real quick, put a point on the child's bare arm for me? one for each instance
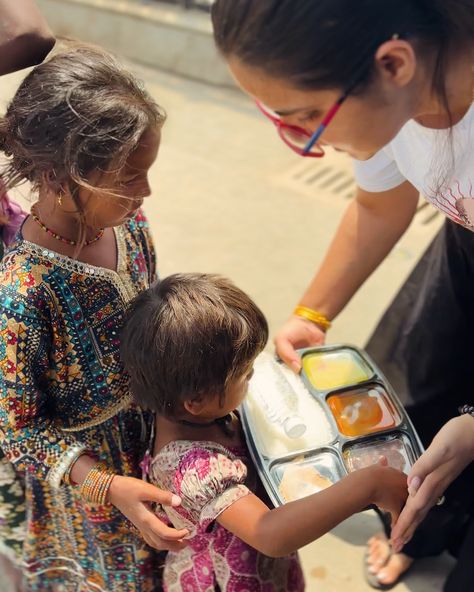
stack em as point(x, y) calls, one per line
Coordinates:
point(281, 531)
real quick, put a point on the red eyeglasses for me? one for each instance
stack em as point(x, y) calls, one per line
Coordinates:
point(301, 141)
point(297, 138)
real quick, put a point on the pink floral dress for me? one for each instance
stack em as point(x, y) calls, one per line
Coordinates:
point(209, 478)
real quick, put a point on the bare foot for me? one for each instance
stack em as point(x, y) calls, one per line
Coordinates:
point(386, 566)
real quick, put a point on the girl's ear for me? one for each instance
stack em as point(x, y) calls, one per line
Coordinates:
point(396, 62)
point(195, 406)
point(49, 182)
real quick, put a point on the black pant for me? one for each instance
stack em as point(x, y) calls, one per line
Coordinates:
point(424, 345)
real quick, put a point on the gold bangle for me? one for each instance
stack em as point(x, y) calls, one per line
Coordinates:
point(314, 316)
point(95, 486)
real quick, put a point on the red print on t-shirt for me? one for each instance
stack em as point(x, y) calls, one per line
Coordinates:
point(456, 202)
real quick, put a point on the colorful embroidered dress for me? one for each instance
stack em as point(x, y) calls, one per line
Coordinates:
point(63, 391)
point(209, 478)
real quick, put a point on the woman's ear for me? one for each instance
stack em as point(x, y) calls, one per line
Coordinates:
point(396, 62)
point(195, 406)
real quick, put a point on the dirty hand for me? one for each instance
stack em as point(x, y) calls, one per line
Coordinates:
point(390, 488)
point(133, 498)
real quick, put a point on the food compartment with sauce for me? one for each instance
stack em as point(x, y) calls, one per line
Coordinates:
point(364, 411)
point(329, 370)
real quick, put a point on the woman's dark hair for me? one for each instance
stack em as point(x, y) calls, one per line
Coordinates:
point(316, 44)
point(189, 335)
point(78, 112)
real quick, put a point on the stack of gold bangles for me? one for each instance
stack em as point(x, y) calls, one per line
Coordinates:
point(314, 316)
point(96, 485)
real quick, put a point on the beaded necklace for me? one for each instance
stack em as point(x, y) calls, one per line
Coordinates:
point(60, 238)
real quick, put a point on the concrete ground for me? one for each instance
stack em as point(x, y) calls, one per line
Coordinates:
point(229, 197)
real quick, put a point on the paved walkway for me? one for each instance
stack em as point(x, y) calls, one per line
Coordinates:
point(229, 197)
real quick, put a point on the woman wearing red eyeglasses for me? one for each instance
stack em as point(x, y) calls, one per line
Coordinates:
point(391, 83)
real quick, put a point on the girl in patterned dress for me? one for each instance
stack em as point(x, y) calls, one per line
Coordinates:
point(84, 134)
point(189, 344)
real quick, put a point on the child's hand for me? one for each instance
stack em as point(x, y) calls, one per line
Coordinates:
point(296, 333)
point(132, 497)
point(390, 489)
point(450, 452)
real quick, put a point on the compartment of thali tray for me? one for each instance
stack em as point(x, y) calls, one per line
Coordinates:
point(306, 474)
point(329, 370)
point(396, 448)
point(283, 415)
point(363, 411)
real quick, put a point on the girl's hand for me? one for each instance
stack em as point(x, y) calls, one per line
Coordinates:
point(296, 333)
point(390, 488)
point(450, 452)
point(132, 497)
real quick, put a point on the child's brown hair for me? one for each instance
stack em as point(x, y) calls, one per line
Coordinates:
point(189, 335)
point(77, 112)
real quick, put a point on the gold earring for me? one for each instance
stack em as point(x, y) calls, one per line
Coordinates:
point(60, 199)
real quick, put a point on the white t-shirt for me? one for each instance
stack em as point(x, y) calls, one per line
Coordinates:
point(438, 163)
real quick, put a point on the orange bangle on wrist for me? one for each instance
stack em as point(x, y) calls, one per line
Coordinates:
point(314, 316)
point(96, 485)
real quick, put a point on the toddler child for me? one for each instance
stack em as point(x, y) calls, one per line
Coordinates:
point(189, 344)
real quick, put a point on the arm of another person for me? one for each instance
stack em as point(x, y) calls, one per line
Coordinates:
point(132, 497)
point(370, 228)
point(449, 454)
point(281, 531)
point(25, 38)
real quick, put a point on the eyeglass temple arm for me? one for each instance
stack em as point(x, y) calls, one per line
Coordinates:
point(332, 112)
point(324, 123)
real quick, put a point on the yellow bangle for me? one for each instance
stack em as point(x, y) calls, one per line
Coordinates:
point(96, 485)
point(314, 316)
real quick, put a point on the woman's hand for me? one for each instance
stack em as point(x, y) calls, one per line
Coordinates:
point(450, 452)
point(296, 333)
point(132, 497)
